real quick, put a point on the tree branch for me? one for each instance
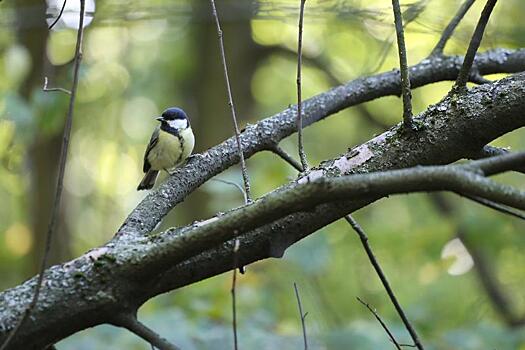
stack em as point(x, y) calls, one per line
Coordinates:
point(286, 157)
point(60, 181)
point(244, 170)
point(451, 27)
point(232, 291)
point(379, 271)
point(464, 73)
point(300, 145)
point(130, 322)
point(390, 335)
point(403, 66)
point(498, 207)
point(126, 272)
point(491, 151)
point(302, 314)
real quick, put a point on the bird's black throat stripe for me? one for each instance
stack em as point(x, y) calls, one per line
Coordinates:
point(181, 142)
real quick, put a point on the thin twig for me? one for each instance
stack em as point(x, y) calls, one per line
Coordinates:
point(59, 15)
point(364, 240)
point(449, 30)
point(403, 66)
point(490, 151)
point(244, 170)
point(464, 72)
point(234, 300)
point(498, 207)
point(286, 157)
point(303, 315)
point(299, 120)
point(374, 312)
point(60, 180)
point(58, 89)
point(130, 322)
point(477, 78)
point(233, 183)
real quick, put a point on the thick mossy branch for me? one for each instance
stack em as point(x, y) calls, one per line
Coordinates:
point(268, 132)
point(134, 267)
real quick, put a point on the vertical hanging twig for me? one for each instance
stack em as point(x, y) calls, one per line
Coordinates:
point(244, 170)
point(475, 41)
point(234, 300)
point(364, 241)
point(449, 30)
point(60, 181)
point(403, 67)
point(299, 120)
point(303, 315)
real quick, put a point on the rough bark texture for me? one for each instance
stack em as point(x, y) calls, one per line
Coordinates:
point(135, 266)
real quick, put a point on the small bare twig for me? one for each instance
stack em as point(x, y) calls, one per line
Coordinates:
point(299, 120)
point(364, 241)
point(233, 183)
point(303, 315)
point(403, 67)
point(464, 72)
point(490, 151)
point(498, 207)
point(244, 170)
point(449, 30)
point(130, 322)
point(60, 181)
point(374, 312)
point(234, 300)
point(59, 15)
point(58, 89)
point(410, 14)
point(286, 157)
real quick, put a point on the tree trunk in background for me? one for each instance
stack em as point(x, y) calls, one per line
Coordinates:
point(43, 154)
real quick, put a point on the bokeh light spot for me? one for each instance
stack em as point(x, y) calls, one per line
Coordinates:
point(18, 239)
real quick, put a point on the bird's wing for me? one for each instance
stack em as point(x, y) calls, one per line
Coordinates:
point(152, 142)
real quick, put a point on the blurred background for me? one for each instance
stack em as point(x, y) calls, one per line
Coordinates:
point(143, 56)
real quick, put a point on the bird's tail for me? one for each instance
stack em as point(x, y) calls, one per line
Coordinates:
point(149, 180)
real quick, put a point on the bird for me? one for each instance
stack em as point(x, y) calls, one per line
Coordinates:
point(170, 145)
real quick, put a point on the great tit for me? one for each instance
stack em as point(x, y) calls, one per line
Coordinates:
point(170, 144)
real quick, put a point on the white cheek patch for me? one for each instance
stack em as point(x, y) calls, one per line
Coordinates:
point(178, 123)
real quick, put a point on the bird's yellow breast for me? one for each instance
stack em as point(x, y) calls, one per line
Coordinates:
point(170, 151)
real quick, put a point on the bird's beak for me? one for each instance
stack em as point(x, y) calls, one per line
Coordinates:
point(159, 119)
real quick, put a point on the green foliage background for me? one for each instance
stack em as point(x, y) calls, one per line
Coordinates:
point(143, 56)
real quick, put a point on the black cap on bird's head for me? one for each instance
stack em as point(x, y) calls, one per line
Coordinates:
point(173, 113)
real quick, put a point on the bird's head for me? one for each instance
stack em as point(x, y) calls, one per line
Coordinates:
point(175, 118)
